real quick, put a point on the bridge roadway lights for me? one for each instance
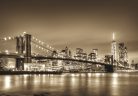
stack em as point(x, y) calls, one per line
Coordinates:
point(109, 68)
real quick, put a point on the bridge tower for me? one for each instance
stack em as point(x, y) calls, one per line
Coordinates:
point(20, 50)
point(27, 51)
point(23, 48)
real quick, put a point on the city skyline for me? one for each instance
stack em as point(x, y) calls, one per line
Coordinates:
point(74, 24)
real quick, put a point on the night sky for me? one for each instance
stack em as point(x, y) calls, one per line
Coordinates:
point(73, 23)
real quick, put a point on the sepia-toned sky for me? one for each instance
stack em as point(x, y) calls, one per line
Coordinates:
point(74, 23)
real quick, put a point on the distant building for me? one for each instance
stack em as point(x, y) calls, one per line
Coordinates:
point(136, 66)
point(80, 54)
point(66, 53)
point(92, 56)
point(96, 52)
point(54, 54)
point(70, 53)
point(3, 63)
point(84, 56)
point(79, 50)
point(133, 64)
point(7, 63)
point(62, 54)
point(123, 54)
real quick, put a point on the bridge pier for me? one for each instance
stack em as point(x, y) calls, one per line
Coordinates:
point(109, 68)
point(20, 63)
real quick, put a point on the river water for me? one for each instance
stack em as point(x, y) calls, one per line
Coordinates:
point(70, 84)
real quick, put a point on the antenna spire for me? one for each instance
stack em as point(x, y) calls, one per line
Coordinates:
point(113, 36)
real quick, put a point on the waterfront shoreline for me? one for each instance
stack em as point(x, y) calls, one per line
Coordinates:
point(28, 72)
point(51, 72)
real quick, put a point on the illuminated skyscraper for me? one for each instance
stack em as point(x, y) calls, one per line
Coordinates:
point(96, 52)
point(123, 54)
point(114, 47)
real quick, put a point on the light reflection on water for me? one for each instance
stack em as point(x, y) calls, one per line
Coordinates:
point(72, 84)
point(7, 83)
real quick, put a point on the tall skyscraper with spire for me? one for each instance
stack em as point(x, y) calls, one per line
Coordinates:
point(114, 47)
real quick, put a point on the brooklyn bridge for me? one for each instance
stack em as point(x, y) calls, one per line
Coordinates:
point(28, 60)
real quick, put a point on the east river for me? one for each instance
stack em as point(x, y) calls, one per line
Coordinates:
point(70, 84)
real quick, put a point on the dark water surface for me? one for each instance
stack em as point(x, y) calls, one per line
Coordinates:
point(70, 84)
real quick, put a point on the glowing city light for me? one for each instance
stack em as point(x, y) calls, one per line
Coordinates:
point(7, 51)
point(33, 37)
point(42, 43)
point(9, 38)
point(24, 32)
point(5, 38)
